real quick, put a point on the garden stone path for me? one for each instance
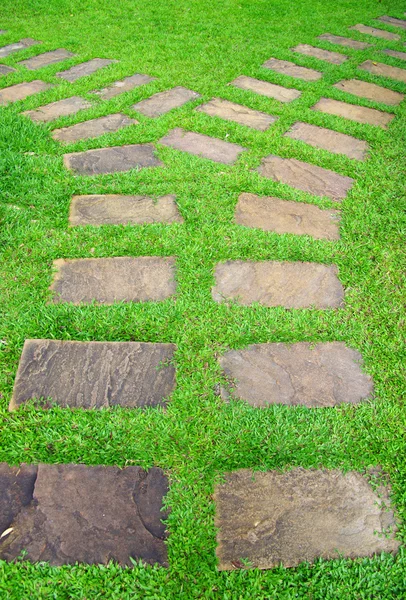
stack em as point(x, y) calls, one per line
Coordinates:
point(264, 88)
point(371, 91)
point(124, 85)
point(46, 59)
point(343, 41)
point(396, 54)
point(327, 139)
point(392, 21)
point(334, 58)
point(379, 33)
point(17, 46)
point(93, 128)
point(224, 109)
point(361, 114)
point(162, 102)
point(288, 68)
point(112, 160)
point(22, 91)
point(61, 108)
point(84, 69)
point(5, 70)
point(203, 146)
point(384, 70)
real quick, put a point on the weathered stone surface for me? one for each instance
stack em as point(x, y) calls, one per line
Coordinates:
point(16, 489)
point(330, 140)
point(362, 114)
point(5, 70)
point(163, 102)
point(343, 41)
point(396, 54)
point(112, 160)
point(282, 216)
point(125, 85)
point(46, 59)
point(288, 68)
point(379, 33)
point(304, 176)
point(392, 21)
point(332, 57)
point(16, 46)
point(114, 209)
point(371, 91)
point(264, 88)
point(84, 69)
point(270, 518)
point(384, 70)
point(94, 374)
point(202, 145)
point(326, 374)
point(93, 128)
point(109, 280)
point(92, 515)
point(61, 108)
point(288, 284)
point(22, 91)
point(224, 109)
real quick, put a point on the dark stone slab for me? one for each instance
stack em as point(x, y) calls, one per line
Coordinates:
point(163, 102)
point(343, 41)
point(327, 139)
point(264, 88)
point(16, 489)
point(325, 374)
point(282, 216)
point(371, 91)
point(271, 283)
point(288, 68)
point(202, 145)
point(392, 21)
point(224, 109)
point(94, 374)
point(304, 176)
point(46, 59)
point(384, 70)
point(5, 70)
point(269, 518)
point(17, 46)
point(84, 69)
point(396, 54)
point(92, 515)
point(112, 160)
point(361, 114)
point(334, 58)
point(22, 91)
point(61, 108)
point(125, 85)
point(379, 33)
point(93, 128)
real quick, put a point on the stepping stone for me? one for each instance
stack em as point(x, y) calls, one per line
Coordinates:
point(110, 280)
point(113, 209)
point(264, 88)
point(61, 108)
point(93, 128)
point(224, 109)
point(361, 114)
point(392, 21)
point(379, 33)
point(288, 68)
point(46, 59)
point(112, 160)
point(329, 140)
point(273, 518)
point(343, 41)
point(22, 91)
point(288, 284)
point(396, 54)
point(326, 374)
point(202, 145)
point(306, 177)
point(332, 57)
point(94, 374)
point(16, 488)
point(384, 70)
point(281, 216)
point(163, 102)
point(2, 31)
point(125, 85)
point(84, 69)
point(16, 46)
point(371, 91)
point(91, 515)
point(5, 70)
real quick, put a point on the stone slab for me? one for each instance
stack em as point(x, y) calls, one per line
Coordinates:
point(379, 33)
point(306, 177)
point(124, 85)
point(202, 145)
point(371, 91)
point(361, 114)
point(264, 88)
point(46, 59)
point(22, 91)
point(396, 54)
point(289, 68)
point(85, 69)
point(16, 490)
point(5, 70)
point(384, 70)
point(17, 46)
point(344, 41)
point(2, 31)
point(334, 58)
point(329, 140)
point(224, 109)
point(161, 103)
point(272, 518)
point(392, 21)
point(93, 128)
point(321, 375)
point(61, 108)
point(271, 283)
point(114, 209)
point(92, 515)
point(112, 160)
point(282, 216)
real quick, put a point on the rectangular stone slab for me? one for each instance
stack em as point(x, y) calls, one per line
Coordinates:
point(392, 21)
point(46, 59)
point(163, 102)
point(264, 88)
point(224, 109)
point(110, 280)
point(272, 518)
point(16, 490)
point(125, 85)
point(327, 139)
point(5, 70)
point(22, 91)
point(384, 70)
point(16, 46)
point(396, 54)
point(371, 91)
point(113, 209)
point(379, 33)
point(93, 128)
point(271, 283)
point(289, 68)
point(112, 160)
point(84, 69)
point(334, 58)
point(61, 108)
point(306, 177)
point(325, 374)
point(202, 145)
point(344, 41)
point(361, 114)
point(282, 216)
point(94, 374)
point(92, 515)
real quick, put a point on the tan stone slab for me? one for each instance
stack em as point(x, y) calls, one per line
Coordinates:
point(22, 91)
point(93, 128)
point(392, 21)
point(384, 70)
point(94, 374)
point(85, 69)
point(282, 216)
point(61, 108)
point(5, 70)
point(361, 114)
point(272, 518)
point(113, 209)
point(271, 283)
point(327, 139)
point(289, 68)
point(379, 33)
point(161, 103)
point(224, 109)
point(112, 160)
point(125, 85)
point(344, 41)
point(321, 375)
point(46, 59)
point(396, 54)
point(202, 145)
point(371, 91)
point(17, 46)
point(334, 58)
point(264, 88)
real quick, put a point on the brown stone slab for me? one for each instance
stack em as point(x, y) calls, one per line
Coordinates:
point(202, 145)
point(334, 58)
point(264, 88)
point(61, 108)
point(22, 91)
point(5, 70)
point(272, 518)
point(113, 209)
point(304, 176)
point(271, 283)
point(125, 85)
point(392, 21)
point(16, 490)
point(282, 216)
point(379, 33)
point(84, 69)
point(224, 109)
point(46, 59)
point(17, 46)
point(163, 102)
point(92, 515)
point(384, 70)
point(343, 41)
point(325, 374)
point(112, 160)
point(396, 54)
point(361, 114)
point(288, 68)
point(327, 139)
point(371, 91)
point(93, 128)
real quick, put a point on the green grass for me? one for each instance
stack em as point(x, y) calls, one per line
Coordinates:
point(203, 46)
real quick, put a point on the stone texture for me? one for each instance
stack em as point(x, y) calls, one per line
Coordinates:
point(5, 70)
point(16, 46)
point(114, 209)
point(396, 54)
point(371, 91)
point(92, 515)
point(94, 374)
point(46, 59)
point(343, 41)
point(61, 108)
point(327, 139)
point(163, 102)
point(84, 69)
point(110, 280)
point(379, 33)
point(264, 88)
point(334, 58)
point(202, 145)
point(361, 114)
point(16, 489)
point(112, 160)
point(22, 91)
point(224, 109)
point(125, 85)
point(288, 284)
point(384, 70)
point(93, 128)
point(271, 518)
point(392, 21)
point(288, 68)
point(306, 177)
point(282, 216)
point(326, 374)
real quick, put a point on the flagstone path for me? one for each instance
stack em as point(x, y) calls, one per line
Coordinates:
point(93, 128)
point(264, 88)
point(362, 114)
point(288, 68)
point(334, 58)
point(163, 102)
point(85, 69)
point(46, 59)
point(22, 91)
point(17, 46)
point(112, 160)
point(327, 139)
point(61, 108)
point(379, 33)
point(343, 41)
point(224, 109)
